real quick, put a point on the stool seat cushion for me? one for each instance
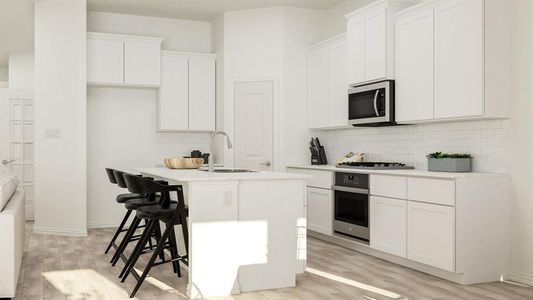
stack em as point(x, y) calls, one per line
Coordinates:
point(122, 198)
point(157, 212)
point(136, 203)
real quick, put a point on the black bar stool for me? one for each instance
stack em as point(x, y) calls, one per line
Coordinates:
point(169, 212)
point(121, 198)
point(130, 205)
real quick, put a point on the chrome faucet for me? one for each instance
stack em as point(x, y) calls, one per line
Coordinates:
point(228, 141)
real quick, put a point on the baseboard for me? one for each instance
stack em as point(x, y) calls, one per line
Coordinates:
point(94, 225)
point(60, 231)
point(519, 277)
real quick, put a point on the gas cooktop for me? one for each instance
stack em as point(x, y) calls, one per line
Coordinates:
point(374, 165)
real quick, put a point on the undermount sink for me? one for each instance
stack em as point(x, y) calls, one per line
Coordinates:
point(230, 171)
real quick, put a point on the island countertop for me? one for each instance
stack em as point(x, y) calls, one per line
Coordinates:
point(188, 175)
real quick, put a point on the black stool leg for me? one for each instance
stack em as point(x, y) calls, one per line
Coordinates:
point(138, 248)
point(174, 251)
point(126, 240)
point(119, 230)
point(158, 238)
point(153, 258)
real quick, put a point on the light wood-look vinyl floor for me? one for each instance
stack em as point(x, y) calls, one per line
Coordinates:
point(57, 267)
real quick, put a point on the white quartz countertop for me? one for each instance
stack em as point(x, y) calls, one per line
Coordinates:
point(188, 175)
point(412, 172)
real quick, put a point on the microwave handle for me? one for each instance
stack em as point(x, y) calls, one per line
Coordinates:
point(376, 103)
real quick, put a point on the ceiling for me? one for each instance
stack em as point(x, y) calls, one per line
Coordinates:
point(203, 10)
point(16, 27)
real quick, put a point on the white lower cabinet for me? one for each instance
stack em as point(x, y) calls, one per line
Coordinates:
point(388, 219)
point(431, 234)
point(320, 210)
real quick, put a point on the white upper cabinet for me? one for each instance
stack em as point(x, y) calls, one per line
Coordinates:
point(414, 67)
point(453, 60)
point(328, 85)
point(115, 59)
point(376, 44)
point(318, 87)
point(105, 63)
point(174, 92)
point(459, 59)
point(202, 93)
point(187, 93)
point(142, 62)
point(371, 41)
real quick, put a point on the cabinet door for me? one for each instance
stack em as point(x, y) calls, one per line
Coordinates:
point(202, 93)
point(414, 67)
point(356, 50)
point(459, 59)
point(376, 44)
point(174, 93)
point(388, 231)
point(431, 235)
point(318, 88)
point(105, 61)
point(338, 84)
point(320, 210)
point(142, 63)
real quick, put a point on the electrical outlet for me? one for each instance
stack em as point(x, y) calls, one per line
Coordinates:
point(228, 198)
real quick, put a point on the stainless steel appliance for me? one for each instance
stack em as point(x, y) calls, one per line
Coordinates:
point(351, 216)
point(371, 104)
point(374, 165)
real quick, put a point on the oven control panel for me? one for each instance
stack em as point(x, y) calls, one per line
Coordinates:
point(351, 180)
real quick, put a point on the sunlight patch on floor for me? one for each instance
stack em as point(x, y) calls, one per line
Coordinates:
point(354, 283)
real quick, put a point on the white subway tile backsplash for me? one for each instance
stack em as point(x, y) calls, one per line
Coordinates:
point(487, 140)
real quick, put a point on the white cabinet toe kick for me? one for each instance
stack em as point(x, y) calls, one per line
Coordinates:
point(454, 227)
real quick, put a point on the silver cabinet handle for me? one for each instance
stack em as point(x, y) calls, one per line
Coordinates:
point(6, 162)
point(266, 163)
point(376, 103)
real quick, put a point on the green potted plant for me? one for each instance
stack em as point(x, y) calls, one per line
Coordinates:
point(449, 162)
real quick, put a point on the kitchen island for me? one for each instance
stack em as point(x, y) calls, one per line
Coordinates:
point(247, 230)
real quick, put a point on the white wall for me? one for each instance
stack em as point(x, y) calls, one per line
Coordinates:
point(4, 74)
point(21, 70)
point(522, 142)
point(179, 35)
point(271, 43)
point(60, 104)
point(217, 43)
point(121, 119)
point(334, 22)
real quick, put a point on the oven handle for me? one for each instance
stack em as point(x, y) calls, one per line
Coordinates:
point(349, 189)
point(376, 103)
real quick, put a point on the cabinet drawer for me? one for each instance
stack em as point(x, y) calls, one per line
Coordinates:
point(388, 186)
point(321, 179)
point(438, 191)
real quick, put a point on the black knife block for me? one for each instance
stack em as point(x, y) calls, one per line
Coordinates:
point(318, 155)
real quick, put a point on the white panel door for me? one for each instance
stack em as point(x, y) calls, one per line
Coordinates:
point(202, 103)
point(356, 50)
point(459, 59)
point(388, 221)
point(105, 61)
point(16, 140)
point(142, 63)
point(338, 84)
point(253, 125)
point(174, 93)
point(431, 235)
point(414, 67)
point(318, 88)
point(320, 210)
point(376, 44)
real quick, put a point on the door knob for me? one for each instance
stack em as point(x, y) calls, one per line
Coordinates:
point(6, 162)
point(267, 163)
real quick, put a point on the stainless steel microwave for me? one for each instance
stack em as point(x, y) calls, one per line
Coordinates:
point(371, 104)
